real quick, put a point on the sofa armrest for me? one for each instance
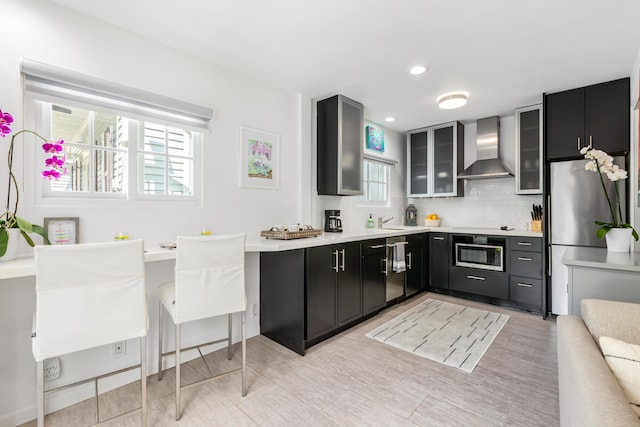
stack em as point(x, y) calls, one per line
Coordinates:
point(620, 320)
point(588, 392)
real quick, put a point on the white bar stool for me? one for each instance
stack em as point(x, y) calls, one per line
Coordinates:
point(89, 295)
point(209, 281)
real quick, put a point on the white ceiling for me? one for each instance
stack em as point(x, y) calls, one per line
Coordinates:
point(505, 53)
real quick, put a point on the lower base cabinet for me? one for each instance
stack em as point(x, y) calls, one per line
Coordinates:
point(479, 282)
point(374, 274)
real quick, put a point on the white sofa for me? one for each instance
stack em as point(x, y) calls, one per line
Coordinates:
point(589, 393)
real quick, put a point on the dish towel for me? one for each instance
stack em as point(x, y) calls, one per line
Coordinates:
point(398, 264)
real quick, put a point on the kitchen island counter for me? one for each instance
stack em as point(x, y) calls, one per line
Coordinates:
point(600, 274)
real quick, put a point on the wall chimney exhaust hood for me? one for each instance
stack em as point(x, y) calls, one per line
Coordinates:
point(488, 163)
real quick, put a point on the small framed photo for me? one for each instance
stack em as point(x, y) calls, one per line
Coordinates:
point(62, 231)
point(259, 159)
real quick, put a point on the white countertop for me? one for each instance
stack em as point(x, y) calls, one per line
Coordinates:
point(25, 266)
point(602, 259)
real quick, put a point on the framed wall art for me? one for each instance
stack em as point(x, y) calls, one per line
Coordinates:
point(374, 139)
point(259, 159)
point(62, 231)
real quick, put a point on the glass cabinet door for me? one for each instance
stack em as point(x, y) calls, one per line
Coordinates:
point(418, 176)
point(444, 176)
point(351, 141)
point(529, 150)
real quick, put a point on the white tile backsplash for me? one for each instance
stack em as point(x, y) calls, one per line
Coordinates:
point(486, 203)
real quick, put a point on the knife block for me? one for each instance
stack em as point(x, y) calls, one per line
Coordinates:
point(536, 225)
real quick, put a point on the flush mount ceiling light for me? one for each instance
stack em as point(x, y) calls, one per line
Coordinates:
point(390, 119)
point(418, 69)
point(451, 100)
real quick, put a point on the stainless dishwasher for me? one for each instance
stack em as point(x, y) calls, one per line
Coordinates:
point(395, 281)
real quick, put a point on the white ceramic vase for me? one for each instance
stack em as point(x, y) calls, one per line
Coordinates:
point(618, 239)
point(12, 245)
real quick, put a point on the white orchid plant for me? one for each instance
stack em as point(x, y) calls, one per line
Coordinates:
point(602, 163)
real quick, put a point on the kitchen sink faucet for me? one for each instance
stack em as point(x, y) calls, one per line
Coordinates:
point(381, 221)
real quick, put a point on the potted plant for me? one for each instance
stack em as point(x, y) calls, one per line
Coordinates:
point(602, 163)
point(10, 223)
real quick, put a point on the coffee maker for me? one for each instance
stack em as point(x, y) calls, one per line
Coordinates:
point(332, 221)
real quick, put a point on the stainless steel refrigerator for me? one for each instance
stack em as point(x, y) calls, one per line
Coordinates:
point(576, 201)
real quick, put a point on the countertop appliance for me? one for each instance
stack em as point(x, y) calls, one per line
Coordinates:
point(574, 201)
point(395, 280)
point(332, 221)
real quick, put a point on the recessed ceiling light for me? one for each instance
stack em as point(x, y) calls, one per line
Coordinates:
point(451, 100)
point(390, 119)
point(418, 69)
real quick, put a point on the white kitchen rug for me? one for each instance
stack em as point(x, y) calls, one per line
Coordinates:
point(451, 334)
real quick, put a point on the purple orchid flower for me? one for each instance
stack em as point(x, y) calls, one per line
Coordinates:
point(53, 147)
point(56, 162)
point(51, 174)
point(5, 120)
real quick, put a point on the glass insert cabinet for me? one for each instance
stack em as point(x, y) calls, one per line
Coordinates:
point(434, 158)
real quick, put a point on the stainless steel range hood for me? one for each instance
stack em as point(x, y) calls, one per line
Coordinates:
point(488, 163)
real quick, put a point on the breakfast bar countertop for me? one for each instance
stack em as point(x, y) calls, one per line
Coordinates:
point(25, 266)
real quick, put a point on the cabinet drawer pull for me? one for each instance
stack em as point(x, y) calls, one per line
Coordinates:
point(590, 142)
point(524, 258)
point(376, 246)
point(384, 269)
point(524, 285)
point(579, 144)
point(335, 254)
point(525, 244)
point(476, 278)
point(342, 265)
point(438, 238)
point(391, 245)
point(409, 263)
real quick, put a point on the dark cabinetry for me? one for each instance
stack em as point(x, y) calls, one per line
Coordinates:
point(435, 156)
point(414, 253)
point(529, 150)
point(438, 260)
point(479, 282)
point(340, 130)
point(525, 280)
point(374, 273)
point(333, 286)
point(596, 116)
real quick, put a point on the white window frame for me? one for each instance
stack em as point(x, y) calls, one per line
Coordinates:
point(40, 112)
point(376, 203)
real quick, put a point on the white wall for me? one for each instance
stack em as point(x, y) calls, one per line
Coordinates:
point(47, 33)
point(486, 202)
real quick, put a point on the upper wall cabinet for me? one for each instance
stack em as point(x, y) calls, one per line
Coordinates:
point(340, 140)
point(529, 150)
point(595, 116)
point(434, 157)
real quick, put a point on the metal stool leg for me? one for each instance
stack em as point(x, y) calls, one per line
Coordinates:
point(178, 412)
point(143, 379)
point(244, 354)
point(40, 381)
point(160, 330)
point(229, 355)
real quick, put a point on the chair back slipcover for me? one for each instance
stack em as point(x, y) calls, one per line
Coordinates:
point(88, 295)
point(209, 276)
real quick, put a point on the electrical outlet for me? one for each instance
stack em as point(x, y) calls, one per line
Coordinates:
point(254, 310)
point(51, 369)
point(119, 348)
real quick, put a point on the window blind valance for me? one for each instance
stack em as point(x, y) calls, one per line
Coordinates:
point(44, 79)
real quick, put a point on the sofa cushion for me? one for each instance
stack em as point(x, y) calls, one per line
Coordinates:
point(624, 361)
point(613, 319)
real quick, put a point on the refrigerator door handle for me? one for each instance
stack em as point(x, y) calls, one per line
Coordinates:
point(549, 257)
point(549, 218)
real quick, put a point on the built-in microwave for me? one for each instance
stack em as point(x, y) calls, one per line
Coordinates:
point(480, 255)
